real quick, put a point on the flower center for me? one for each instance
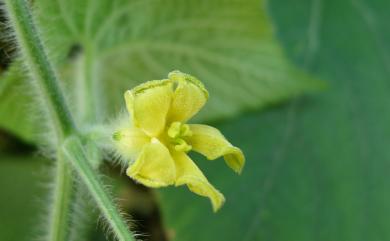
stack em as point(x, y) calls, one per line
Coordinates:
point(177, 132)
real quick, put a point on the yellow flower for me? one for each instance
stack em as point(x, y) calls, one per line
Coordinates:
point(157, 140)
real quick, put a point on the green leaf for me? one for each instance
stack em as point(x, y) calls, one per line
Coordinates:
point(16, 106)
point(228, 44)
point(21, 199)
point(317, 169)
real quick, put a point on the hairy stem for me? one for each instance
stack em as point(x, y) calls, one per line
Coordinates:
point(62, 195)
point(84, 216)
point(40, 67)
point(60, 118)
point(54, 104)
point(73, 150)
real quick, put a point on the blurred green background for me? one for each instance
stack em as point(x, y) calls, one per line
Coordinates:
point(300, 86)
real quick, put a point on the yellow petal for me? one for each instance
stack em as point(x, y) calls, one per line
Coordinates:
point(154, 166)
point(148, 104)
point(130, 141)
point(188, 173)
point(189, 97)
point(211, 143)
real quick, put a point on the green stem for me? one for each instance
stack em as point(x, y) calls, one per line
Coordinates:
point(83, 219)
point(59, 219)
point(58, 113)
point(73, 150)
point(40, 67)
point(59, 116)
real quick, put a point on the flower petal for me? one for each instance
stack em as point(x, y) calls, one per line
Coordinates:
point(154, 166)
point(188, 173)
point(149, 103)
point(130, 141)
point(189, 97)
point(211, 143)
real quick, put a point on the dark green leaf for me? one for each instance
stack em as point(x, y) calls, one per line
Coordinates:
point(317, 169)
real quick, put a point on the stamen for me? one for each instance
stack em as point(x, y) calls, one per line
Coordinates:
point(174, 130)
point(185, 131)
point(177, 132)
point(182, 146)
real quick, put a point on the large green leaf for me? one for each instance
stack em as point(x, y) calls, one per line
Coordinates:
point(317, 169)
point(228, 44)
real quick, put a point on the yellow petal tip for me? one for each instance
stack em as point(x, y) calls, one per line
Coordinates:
point(203, 188)
point(235, 159)
point(149, 85)
point(132, 171)
point(178, 76)
point(218, 202)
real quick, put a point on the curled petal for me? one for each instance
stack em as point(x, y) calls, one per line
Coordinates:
point(148, 104)
point(188, 173)
point(129, 142)
point(154, 166)
point(211, 143)
point(188, 98)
